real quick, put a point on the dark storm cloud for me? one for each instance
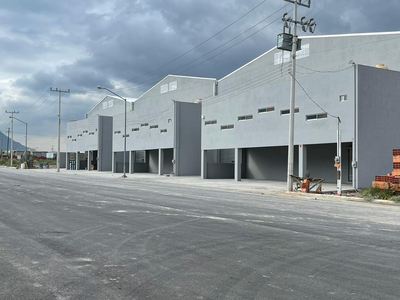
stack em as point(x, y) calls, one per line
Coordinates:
point(82, 44)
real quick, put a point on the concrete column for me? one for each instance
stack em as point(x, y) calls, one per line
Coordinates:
point(175, 162)
point(77, 159)
point(67, 160)
point(132, 160)
point(204, 164)
point(113, 168)
point(302, 160)
point(89, 160)
point(98, 161)
point(238, 164)
point(160, 162)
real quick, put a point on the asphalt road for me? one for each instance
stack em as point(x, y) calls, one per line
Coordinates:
point(66, 236)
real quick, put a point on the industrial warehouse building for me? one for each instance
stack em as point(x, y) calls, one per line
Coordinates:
point(89, 141)
point(237, 127)
point(164, 128)
point(245, 123)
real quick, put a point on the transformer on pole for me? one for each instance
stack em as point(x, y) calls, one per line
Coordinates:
point(290, 42)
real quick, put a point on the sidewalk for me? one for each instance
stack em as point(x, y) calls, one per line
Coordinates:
point(246, 185)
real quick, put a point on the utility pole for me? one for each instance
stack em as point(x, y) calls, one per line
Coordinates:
point(59, 123)
point(26, 136)
point(1, 148)
point(290, 42)
point(12, 132)
point(8, 140)
point(338, 160)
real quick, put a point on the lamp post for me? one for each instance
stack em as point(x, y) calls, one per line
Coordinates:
point(103, 88)
point(26, 136)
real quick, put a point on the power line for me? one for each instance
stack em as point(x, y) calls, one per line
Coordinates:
point(309, 97)
point(46, 91)
point(327, 71)
point(204, 55)
point(36, 107)
point(202, 43)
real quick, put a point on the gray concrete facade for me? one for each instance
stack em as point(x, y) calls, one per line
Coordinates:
point(166, 125)
point(92, 136)
point(248, 111)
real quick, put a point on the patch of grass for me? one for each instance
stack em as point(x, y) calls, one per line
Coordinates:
point(4, 161)
point(377, 193)
point(395, 199)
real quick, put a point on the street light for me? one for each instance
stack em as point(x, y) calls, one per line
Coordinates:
point(103, 88)
point(26, 136)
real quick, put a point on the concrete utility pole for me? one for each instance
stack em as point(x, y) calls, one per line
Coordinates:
point(59, 123)
point(12, 132)
point(26, 136)
point(338, 160)
point(8, 140)
point(294, 48)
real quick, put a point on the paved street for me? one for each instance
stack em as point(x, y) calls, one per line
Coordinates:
point(69, 236)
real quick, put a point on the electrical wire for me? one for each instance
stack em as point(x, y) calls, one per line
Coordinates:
point(327, 71)
point(52, 103)
point(46, 91)
point(199, 45)
point(36, 107)
point(204, 55)
point(321, 10)
point(309, 97)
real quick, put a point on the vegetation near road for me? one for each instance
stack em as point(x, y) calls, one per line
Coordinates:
point(4, 161)
point(377, 193)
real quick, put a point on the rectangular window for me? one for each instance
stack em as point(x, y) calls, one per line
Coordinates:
point(286, 112)
point(212, 122)
point(342, 98)
point(117, 132)
point(163, 131)
point(316, 117)
point(245, 118)
point(173, 86)
point(126, 135)
point(135, 129)
point(266, 110)
point(227, 127)
point(86, 131)
point(169, 120)
point(74, 140)
point(153, 126)
point(144, 124)
point(91, 133)
point(69, 137)
point(80, 135)
point(164, 88)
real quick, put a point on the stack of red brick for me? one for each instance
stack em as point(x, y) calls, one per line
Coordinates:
point(391, 180)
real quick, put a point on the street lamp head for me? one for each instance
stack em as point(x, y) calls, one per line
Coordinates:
point(100, 87)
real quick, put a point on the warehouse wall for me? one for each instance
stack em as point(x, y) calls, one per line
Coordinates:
point(379, 111)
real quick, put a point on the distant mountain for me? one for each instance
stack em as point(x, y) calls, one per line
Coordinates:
point(3, 143)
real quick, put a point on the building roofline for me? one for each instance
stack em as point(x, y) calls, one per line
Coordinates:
point(314, 37)
point(349, 34)
point(179, 76)
point(250, 62)
point(113, 97)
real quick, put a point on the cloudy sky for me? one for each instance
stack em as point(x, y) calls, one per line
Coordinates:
point(129, 45)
